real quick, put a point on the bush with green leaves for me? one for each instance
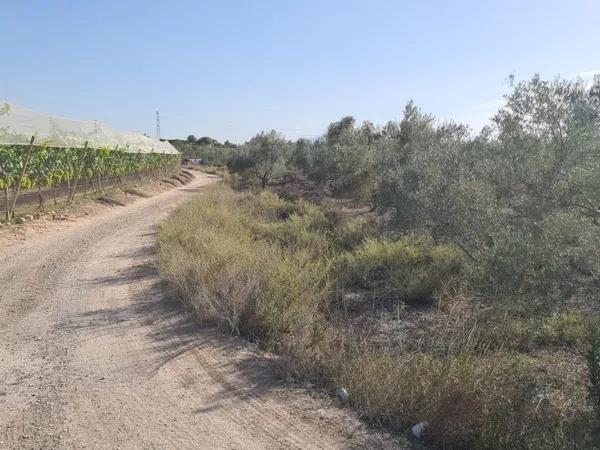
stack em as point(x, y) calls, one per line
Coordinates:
point(407, 269)
point(521, 198)
point(261, 158)
point(593, 361)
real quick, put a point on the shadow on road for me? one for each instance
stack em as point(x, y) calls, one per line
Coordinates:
point(170, 332)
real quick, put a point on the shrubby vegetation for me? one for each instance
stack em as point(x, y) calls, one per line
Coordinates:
point(226, 274)
point(209, 150)
point(407, 269)
point(463, 293)
point(521, 198)
point(273, 271)
point(261, 158)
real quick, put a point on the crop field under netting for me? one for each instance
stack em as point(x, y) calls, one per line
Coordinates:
point(46, 153)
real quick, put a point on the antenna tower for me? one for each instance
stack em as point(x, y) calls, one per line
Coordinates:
point(157, 124)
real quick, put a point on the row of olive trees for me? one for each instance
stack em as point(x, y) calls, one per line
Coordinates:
point(521, 198)
point(211, 151)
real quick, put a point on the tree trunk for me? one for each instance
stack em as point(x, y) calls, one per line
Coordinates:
point(7, 202)
point(72, 194)
point(20, 180)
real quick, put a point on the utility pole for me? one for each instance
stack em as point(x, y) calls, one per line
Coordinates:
point(157, 124)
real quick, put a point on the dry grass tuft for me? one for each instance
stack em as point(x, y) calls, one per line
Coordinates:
point(265, 267)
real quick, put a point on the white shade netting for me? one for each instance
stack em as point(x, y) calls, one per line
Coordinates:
point(18, 125)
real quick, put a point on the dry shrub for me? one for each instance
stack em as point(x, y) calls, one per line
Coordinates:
point(492, 400)
point(213, 278)
point(261, 266)
point(294, 289)
point(211, 257)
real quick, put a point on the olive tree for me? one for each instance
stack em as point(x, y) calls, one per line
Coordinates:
point(262, 156)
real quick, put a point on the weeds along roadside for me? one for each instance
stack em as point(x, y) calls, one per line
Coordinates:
point(326, 297)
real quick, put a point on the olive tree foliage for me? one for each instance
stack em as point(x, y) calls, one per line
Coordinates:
point(206, 140)
point(544, 166)
point(548, 137)
point(521, 198)
point(262, 157)
point(341, 158)
point(300, 156)
point(209, 150)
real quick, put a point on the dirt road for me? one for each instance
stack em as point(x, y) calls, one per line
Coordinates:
point(93, 355)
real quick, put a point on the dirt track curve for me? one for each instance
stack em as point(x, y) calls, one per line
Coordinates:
point(92, 354)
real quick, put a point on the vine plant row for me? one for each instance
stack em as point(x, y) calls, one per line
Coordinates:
point(44, 167)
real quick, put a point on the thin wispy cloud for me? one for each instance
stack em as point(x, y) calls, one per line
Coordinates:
point(587, 74)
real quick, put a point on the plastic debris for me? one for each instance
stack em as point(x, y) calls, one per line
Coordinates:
point(418, 430)
point(342, 394)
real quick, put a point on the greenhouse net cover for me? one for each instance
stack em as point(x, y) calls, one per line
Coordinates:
point(18, 125)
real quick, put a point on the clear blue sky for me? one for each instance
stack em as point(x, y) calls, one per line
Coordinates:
point(229, 69)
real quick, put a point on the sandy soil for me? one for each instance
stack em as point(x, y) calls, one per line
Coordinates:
point(93, 354)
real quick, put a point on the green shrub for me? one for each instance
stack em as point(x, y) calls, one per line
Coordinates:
point(565, 328)
point(537, 271)
point(515, 267)
point(294, 288)
point(593, 362)
point(267, 206)
point(405, 269)
point(350, 235)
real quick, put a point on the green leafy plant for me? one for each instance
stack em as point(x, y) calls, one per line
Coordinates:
point(405, 269)
point(49, 167)
point(593, 362)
